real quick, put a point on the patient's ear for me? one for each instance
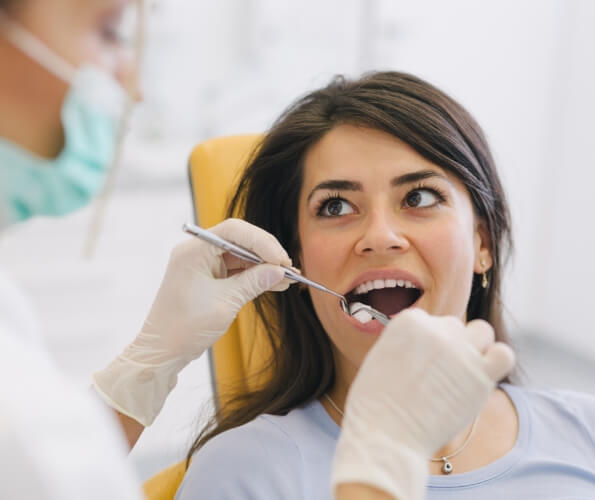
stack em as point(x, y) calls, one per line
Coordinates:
point(483, 248)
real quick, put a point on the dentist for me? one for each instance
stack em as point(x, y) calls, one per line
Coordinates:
point(68, 77)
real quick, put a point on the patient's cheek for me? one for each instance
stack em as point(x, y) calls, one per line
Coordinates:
point(320, 257)
point(449, 253)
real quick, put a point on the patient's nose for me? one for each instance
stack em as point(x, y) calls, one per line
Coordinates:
point(382, 233)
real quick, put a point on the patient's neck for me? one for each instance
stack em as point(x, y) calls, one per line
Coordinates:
point(494, 436)
point(345, 373)
point(495, 433)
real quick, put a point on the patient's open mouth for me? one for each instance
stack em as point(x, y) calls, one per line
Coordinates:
point(389, 296)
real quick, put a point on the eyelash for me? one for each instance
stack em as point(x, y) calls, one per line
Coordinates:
point(436, 191)
point(321, 205)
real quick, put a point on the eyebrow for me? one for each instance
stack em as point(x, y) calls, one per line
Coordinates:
point(345, 185)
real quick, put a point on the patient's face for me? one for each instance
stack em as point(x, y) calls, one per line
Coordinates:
point(386, 227)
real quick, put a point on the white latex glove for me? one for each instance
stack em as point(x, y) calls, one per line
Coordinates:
point(422, 382)
point(201, 293)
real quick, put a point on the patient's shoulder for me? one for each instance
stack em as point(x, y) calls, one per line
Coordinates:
point(269, 457)
point(262, 438)
point(579, 407)
point(564, 410)
point(578, 404)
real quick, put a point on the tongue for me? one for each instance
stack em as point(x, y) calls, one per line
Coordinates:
point(391, 300)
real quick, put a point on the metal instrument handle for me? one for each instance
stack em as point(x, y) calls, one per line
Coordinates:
point(249, 256)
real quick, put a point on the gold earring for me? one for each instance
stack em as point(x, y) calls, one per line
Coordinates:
point(484, 276)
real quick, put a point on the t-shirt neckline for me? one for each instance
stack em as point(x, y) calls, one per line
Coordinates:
point(497, 468)
point(500, 466)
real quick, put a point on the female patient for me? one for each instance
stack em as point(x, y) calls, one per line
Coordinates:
point(383, 189)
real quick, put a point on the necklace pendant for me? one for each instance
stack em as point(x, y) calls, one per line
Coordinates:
point(447, 466)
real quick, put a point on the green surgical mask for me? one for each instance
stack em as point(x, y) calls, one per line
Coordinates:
point(91, 113)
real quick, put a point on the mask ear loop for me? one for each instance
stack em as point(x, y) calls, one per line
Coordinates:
point(34, 48)
point(99, 210)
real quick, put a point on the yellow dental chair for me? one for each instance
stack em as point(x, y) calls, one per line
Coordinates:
point(236, 359)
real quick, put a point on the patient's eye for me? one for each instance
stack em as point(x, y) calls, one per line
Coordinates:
point(334, 207)
point(422, 198)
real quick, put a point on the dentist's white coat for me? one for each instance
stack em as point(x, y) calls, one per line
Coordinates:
point(56, 442)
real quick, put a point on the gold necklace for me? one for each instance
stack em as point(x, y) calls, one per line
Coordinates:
point(447, 466)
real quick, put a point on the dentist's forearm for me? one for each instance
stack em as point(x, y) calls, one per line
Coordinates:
point(132, 429)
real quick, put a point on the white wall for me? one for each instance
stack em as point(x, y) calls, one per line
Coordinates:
point(524, 69)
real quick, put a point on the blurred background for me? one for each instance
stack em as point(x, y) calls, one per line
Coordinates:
point(524, 69)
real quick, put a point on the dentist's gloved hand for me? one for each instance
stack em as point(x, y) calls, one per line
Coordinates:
point(422, 382)
point(201, 293)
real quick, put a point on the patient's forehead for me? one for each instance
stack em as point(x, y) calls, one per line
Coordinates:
point(352, 151)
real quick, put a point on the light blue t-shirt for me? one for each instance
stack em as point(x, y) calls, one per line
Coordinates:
point(289, 457)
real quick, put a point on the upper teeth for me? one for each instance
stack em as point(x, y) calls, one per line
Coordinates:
point(378, 284)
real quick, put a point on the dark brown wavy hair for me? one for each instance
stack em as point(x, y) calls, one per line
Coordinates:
point(439, 129)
